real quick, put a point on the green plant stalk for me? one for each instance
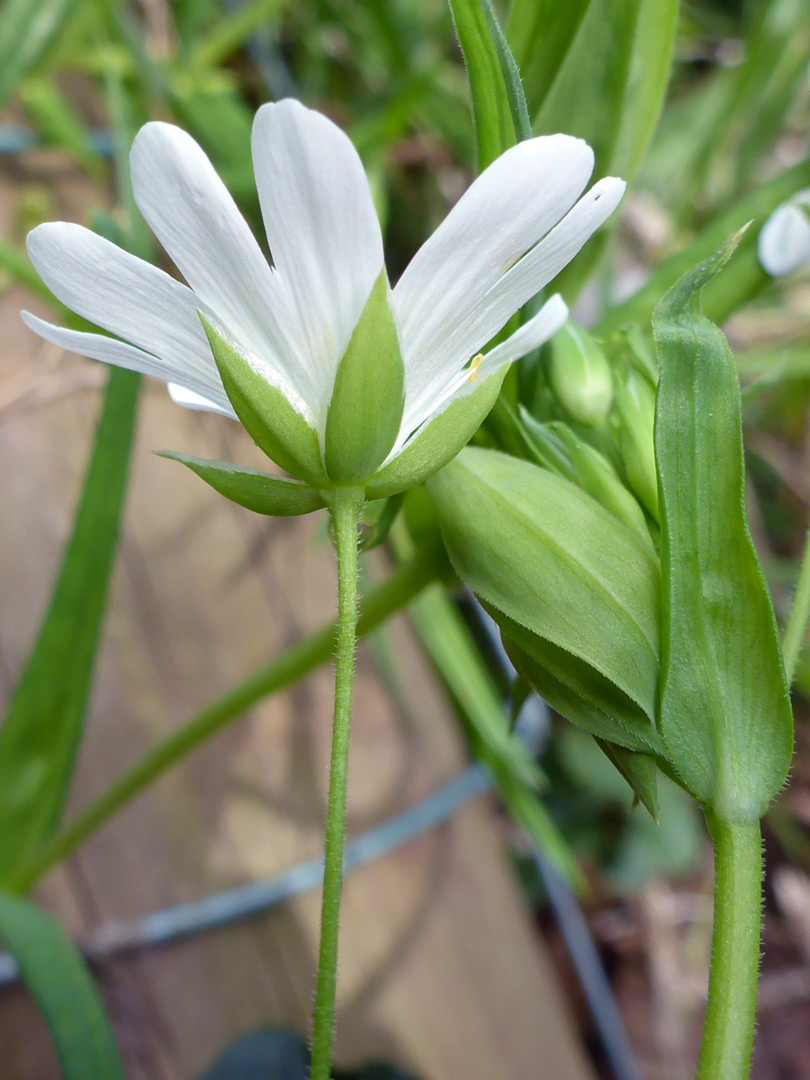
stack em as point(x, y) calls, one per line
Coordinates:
point(344, 507)
point(728, 1028)
point(798, 618)
point(406, 582)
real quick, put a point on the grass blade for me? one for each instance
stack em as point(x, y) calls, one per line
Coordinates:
point(58, 979)
point(499, 106)
point(42, 729)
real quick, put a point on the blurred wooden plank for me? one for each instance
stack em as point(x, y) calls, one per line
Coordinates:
point(441, 969)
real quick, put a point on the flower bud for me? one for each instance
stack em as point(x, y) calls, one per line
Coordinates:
point(596, 476)
point(635, 404)
point(784, 241)
point(580, 375)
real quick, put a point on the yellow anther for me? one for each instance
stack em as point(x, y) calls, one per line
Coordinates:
point(475, 365)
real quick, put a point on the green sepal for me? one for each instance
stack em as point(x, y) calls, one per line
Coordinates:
point(268, 417)
point(439, 441)
point(365, 411)
point(548, 556)
point(257, 491)
point(376, 521)
point(725, 712)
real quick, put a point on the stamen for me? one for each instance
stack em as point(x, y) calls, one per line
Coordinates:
point(475, 365)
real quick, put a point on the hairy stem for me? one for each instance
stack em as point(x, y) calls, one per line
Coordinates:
point(345, 508)
point(728, 1028)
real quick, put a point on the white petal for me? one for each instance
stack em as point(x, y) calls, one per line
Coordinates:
point(426, 374)
point(322, 228)
point(180, 395)
point(538, 330)
point(121, 293)
point(503, 214)
point(542, 264)
point(784, 240)
point(192, 214)
point(111, 351)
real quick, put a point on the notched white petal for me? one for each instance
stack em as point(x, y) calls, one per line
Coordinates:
point(506, 210)
point(120, 354)
point(120, 293)
point(322, 229)
point(195, 218)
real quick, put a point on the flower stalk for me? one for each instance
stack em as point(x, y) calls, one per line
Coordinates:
point(344, 506)
point(728, 1028)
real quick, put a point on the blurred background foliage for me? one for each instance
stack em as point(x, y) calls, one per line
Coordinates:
point(731, 144)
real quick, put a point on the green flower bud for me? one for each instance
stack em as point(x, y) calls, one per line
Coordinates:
point(599, 479)
point(580, 375)
point(635, 405)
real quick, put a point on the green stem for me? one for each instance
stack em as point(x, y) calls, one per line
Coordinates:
point(345, 508)
point(406, 582)
point(799, 614)
point(728, 1028)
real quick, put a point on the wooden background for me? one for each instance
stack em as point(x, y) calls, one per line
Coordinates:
point(442, 971)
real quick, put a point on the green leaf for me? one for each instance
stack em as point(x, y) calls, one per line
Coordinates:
point(542, 552)
point(365, 411)
point(577, 691)
point(591, 470)
point(58, 979)
point(59, 123)
point(725, 713)
point(499, 106)
point(639, 770)
point(742, 279)
point(453, 650)
point(541, 32)
point(27, 30)
point(438, 441)
point(609, 90)
point(231, 32)
point(255, 490)
point(43, 725)
point(266, 414)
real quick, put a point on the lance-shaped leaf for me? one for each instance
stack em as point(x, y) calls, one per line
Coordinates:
point(42, 729)
point(255, 490)
point(498, 103)
point(28, 28)
point(541, 32)
point(558, 565)
point(743, 278)
point(625, 47)
point(725, 713)
point(58, 979)
point(578, 691)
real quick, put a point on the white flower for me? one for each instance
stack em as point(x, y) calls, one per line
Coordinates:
point(291, 322)
point(784, 240)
